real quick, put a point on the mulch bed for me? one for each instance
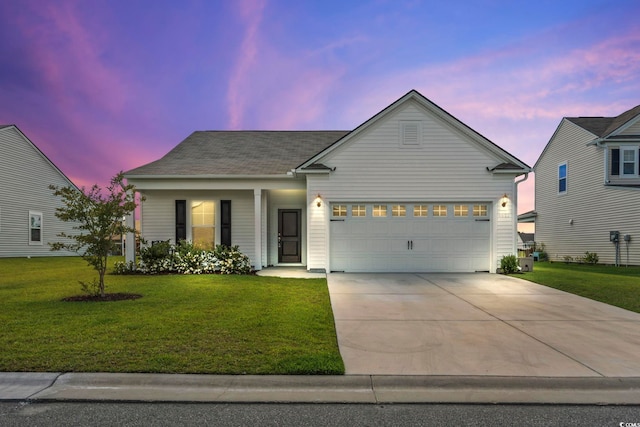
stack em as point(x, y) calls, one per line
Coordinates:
point(98, 298)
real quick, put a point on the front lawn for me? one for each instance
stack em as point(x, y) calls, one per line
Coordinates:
point(619, 286)
point(214, 324)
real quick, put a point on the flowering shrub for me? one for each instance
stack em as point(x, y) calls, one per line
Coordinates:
point(186, 258)
point(232, 261)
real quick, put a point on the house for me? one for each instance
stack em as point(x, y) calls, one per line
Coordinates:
point(411, 189)
point(587, 186)
point(27, 205)
point(526, 242)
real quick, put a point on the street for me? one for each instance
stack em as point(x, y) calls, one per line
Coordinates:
point(352, 415)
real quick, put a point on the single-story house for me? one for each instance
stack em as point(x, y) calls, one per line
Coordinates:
point(27, 205)
point(411, 189)
point(588, 189)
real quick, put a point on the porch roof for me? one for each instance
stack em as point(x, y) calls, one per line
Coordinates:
point(235, 153)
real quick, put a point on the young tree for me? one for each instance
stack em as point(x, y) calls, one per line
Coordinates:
point(99, 215)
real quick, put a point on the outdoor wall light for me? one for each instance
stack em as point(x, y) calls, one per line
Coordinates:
point(318, 200)
point(504, 200)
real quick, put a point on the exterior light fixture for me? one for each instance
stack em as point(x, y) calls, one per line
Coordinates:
point(318, 200)
point(504, 200)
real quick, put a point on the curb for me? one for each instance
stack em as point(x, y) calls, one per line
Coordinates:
point(372, 389)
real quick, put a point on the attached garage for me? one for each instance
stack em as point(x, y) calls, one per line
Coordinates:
point(410, 237)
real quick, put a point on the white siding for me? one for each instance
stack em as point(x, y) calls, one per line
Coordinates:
point(634, 129)
point(25, 175)
point(374, 166)
point(593, 208)
point(158, 215)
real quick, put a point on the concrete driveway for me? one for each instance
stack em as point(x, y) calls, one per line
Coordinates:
point(478, 324)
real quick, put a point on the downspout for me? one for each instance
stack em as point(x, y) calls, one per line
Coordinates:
point(515, 216)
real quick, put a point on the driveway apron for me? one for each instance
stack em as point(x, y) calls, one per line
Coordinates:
point(478, 324)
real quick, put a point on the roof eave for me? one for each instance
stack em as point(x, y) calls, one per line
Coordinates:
point(279, 176)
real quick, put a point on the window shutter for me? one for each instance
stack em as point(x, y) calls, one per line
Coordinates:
point(225, 222)
point(615, 161)
point(181, 220)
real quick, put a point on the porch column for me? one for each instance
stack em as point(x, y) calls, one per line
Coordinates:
point(257, 221)
point(130, 243)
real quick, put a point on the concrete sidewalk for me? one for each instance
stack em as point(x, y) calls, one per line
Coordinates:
point(373, 389)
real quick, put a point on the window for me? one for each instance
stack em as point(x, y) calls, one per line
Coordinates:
point(461, 210)
point(35, 228)
point(439, 210)
point(562, 178)
point(339, 210)
point(203, 230)
point(379, 210)
point(358, 210)
point(398, 210)
point(629, 161)
point(480, 210)
point(420, 210)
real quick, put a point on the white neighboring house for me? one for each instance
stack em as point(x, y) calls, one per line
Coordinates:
point(587, 185)
point(412, 189)
point(27, 205)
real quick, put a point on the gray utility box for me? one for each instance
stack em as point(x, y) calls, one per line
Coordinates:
point(526, 264)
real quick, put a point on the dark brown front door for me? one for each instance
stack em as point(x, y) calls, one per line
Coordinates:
point(289, 242)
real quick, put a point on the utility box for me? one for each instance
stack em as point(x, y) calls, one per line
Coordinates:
point(526, 263)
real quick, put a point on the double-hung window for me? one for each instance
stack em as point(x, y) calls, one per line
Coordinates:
point(562, 178)
point(35, 228)
point(624, 162)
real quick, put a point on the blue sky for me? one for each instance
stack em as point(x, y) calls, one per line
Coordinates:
point(104, 86)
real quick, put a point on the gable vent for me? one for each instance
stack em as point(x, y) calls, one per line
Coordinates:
point(410, 133)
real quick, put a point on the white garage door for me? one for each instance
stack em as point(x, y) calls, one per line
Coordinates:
point(410, 237)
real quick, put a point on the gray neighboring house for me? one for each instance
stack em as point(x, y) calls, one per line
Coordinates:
point(27, 206)
point(587, 185)
point(411, 189)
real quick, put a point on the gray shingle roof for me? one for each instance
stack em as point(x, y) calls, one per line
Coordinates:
point(605, 126)
point(240, 153)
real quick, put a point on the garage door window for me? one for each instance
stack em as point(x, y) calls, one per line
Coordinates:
point(398, 210)
point(420, 210)
point(461, 210)
point(479, 210)
point(379, 211)
point(339, 210)
point(358, 211)
point(439, 210)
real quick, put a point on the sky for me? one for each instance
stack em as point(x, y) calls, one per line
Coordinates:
point(102, 86)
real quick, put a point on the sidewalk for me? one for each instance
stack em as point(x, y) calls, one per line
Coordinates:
point(374, 389)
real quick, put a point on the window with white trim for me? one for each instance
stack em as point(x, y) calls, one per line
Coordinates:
point(420, 210)
point(629, 165)
point(379, 211)
point(398, 210)
point(358, 210)
point(460, 210)
point(439, 210)
point(339, 210)
point(203, 220)
point(562, 178)
point(35, 228)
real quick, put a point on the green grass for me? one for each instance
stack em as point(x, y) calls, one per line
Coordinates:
point(619, 286)
point(183, 324)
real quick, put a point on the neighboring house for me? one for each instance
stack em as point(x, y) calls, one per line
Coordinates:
point(525, 242)
point(411, 189)
point(587, 185)
point(27, 205)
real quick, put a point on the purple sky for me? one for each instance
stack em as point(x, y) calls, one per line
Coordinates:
point(104, 86)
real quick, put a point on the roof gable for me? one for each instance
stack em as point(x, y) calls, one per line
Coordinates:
point(5, 128)
point(516, 165)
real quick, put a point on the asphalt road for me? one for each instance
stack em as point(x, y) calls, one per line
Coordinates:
point(352, 415)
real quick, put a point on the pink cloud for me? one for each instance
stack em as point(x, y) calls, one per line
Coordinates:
point(251, 14)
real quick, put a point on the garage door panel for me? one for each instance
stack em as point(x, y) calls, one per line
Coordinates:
point(411, 244)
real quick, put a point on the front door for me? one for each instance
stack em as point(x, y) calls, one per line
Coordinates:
point(289, 241)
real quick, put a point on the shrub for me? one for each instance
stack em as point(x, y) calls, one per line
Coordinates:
point(591, 258)
point(567, 259)
point(232, 261)
point(509, 264)
point(187, 258)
